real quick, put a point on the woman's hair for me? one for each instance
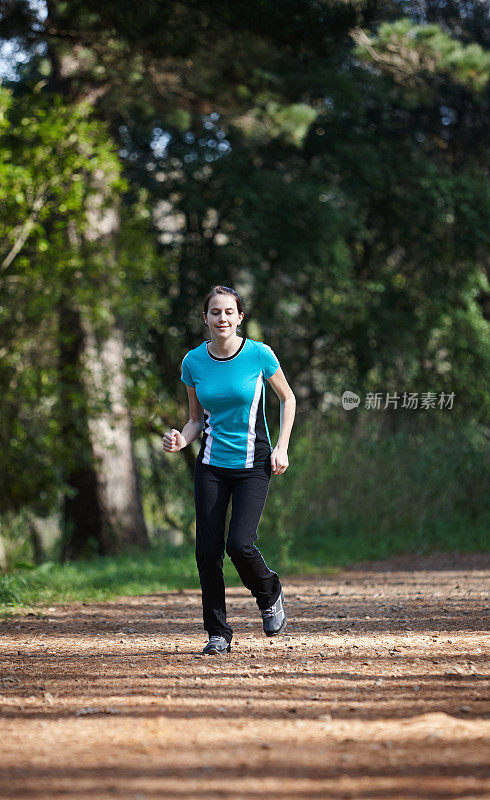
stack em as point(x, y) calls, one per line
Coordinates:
point(223, 290)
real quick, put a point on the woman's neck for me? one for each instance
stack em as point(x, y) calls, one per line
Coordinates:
point(222, 349)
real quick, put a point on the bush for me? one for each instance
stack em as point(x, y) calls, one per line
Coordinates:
point(356, 494)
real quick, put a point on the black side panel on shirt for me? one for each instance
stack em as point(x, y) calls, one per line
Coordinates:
point(262, 446)
point(204, 435)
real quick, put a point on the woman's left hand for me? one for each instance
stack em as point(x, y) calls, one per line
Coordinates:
point(279, 460)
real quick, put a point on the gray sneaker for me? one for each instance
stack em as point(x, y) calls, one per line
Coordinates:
point(216, 646)
point(274, 619)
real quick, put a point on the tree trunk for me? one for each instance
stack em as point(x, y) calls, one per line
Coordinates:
point(3, 555)
point(110, 429)
point(81, 520)
point(107, 502)
point(109, 422)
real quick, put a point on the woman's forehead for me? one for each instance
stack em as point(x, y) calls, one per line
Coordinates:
point(222, 301)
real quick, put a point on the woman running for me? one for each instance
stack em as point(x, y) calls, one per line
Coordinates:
point(225, 378)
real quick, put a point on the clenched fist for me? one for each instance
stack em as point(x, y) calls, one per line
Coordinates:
point(173, 441)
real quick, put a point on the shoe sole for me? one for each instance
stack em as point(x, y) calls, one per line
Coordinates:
point(280, 630)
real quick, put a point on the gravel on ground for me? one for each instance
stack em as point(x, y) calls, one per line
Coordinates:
point(378, 689)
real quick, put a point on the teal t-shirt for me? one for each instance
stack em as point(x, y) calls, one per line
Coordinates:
point(232, 393)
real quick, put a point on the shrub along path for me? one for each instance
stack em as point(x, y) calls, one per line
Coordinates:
point(378, 690)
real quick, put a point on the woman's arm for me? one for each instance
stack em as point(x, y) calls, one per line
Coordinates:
point(173, 440)
point(279, 456)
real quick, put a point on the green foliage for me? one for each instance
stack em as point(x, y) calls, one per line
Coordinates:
point(50, 151)
point(51, 154)
point(354, 493)
point(420, 52)
point(288, 124)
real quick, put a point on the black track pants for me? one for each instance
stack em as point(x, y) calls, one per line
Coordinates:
point(213, 487)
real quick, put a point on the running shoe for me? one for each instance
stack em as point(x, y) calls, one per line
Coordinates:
point(216, 646)
point(274, 619)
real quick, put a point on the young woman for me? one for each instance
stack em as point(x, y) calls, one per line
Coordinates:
point(225, 378)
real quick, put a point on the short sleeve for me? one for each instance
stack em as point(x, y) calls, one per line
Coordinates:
point(270, 362)
point(186, 376)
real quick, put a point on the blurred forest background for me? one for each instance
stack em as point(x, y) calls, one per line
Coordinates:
point(329, 160)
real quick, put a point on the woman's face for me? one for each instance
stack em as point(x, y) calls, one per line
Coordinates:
point(223, 317)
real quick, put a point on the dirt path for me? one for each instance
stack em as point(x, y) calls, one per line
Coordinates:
point(379, 690)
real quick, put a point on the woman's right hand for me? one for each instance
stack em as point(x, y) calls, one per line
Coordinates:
point(173, 441)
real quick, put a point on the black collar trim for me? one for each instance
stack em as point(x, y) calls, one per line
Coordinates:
point(227, 358)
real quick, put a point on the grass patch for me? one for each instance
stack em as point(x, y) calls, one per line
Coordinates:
point(336, 546)
point(159, 569)
point(165, 567)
